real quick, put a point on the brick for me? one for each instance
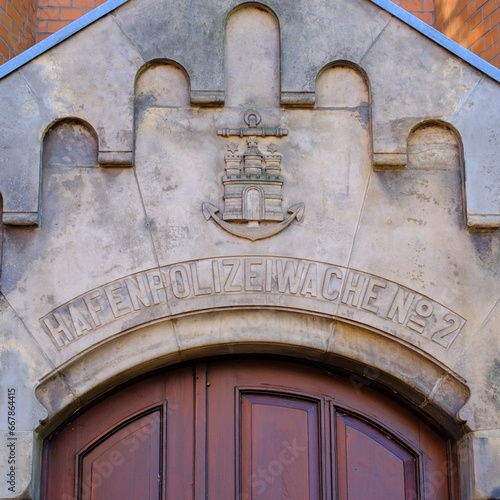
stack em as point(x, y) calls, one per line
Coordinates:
point(5, 19)
point(4, 49)
point(424, 16)
point(489, 8)
point(461, 33)
point(71, 14)
point(60, 3)
point(85, 4)
point(6, 36)
point(495, 61)
point(475, 20)
point(28, 5)
point(53, 26)
point(470, 8)
point(416, 5)
point(23, 45)
point(48, 13)
point(42, 27)
point(14, 15)
point(478, 46)
point(482, 28)
point(495, 17)
point(42, 36)
point(453, 26)
point(428, 5)
point(490, 53)
point(493, 36)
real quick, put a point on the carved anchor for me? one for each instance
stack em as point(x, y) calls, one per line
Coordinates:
point(254, 233)
point(253, 185)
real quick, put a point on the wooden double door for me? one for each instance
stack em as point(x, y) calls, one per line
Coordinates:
point(247, 429)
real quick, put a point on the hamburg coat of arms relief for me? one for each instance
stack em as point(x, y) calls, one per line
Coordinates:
point(253, 184)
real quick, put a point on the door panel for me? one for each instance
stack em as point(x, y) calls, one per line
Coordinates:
point(248, 430)
point(125, 464)
point(372, 464)
point(63, 477)
point(279, 447)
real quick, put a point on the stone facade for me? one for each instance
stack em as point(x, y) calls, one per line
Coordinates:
point(383, 252)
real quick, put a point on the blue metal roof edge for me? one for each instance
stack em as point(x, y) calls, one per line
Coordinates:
point(439, 38)
point(95, 14)
point(59, 36)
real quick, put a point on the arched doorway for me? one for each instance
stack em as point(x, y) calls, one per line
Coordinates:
point(248, 429)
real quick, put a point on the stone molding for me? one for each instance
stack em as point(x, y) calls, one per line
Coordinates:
point(426, 382)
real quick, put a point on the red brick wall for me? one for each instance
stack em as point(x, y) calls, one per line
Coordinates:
point(53, 15)
point(475, 24)
point(17, 27)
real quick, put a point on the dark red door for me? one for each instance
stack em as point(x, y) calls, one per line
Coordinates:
point(246, 429)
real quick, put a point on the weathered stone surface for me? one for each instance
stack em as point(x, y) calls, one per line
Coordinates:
point(417, 228)
point(427, 83)
point(70, 143)
point(326, 154)
point(22, 121)
point(476, 121)
point(252, 69)
point(100, 77)
point(482, 410)
point(107, 241)
point(198, 23)
point(22, 363)
point(486, 446)
point(315, 34)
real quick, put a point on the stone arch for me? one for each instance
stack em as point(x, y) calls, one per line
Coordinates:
point(437, 145)
point(162, 82)
point(342, 94)
point(371, 357)
point(70, 142)
point(252, 56)
point(342, 84)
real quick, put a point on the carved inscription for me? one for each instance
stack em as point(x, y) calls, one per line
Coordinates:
point(257, 282)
